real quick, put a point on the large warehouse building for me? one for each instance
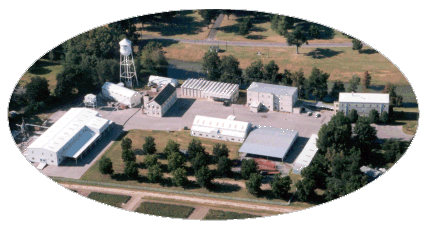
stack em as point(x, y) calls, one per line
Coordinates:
point(271, 97)
point(363, 102)
point(161, 103)
point(269, 143)
point(70, 137)
point(221, 129)
point(121, 94)
point(200, 88)
point(305, 157)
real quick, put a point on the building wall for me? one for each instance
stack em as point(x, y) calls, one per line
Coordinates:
point(155, 110)
point(273, 102)
point(40, 155)
point(362, 108)
point(218, 137)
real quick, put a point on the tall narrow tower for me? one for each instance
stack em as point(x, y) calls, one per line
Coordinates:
point(127, 65)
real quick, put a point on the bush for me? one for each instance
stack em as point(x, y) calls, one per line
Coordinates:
point(204, 177)
point(154, 173)
point(149, 147)
point(384, 118)
point(280, 186)
point(248, 167)
point(128, 155)
point(131, 170)
point(150, 160)
point(254, 183)
point(353, 116)
point(224, 166)
point(106, 166)
point(373, 116)
point(180, 177)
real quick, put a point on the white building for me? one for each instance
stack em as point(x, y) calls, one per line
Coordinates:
point(307, 154)
point(363, 102)
point(121, 94)
point(200, 88)
point(161, 103)
point(272, 97)
point(162, 81)
point(70, 137)
point(221, 129)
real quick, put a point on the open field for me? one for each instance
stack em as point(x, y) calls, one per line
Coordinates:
point(110, 199)
point(261, 32)
point(165, 210)
point(224, 215)
point(341, 63)
point(46, 69)
point(186, 25)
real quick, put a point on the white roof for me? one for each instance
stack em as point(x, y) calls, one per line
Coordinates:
point(307, 154)
point(211, 88)
point(221, 126)
point(90, 98)
point(119, 90)
point(364, 97)
point(157, 79)
point(74, 121)
point(270, 88)
point(125, 42)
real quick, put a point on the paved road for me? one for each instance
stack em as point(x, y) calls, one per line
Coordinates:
point(216, 25)
point(199, 213)
point(247, 44)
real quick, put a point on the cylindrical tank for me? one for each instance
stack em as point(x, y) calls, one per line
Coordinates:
point(125, 47)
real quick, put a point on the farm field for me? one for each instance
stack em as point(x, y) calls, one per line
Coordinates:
point(165, 210)
point(110, 199)
point(224, 215)
point(341, 63)
point(261, 32)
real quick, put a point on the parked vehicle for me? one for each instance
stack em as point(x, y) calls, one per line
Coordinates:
point(309, 113)
point(317, 115)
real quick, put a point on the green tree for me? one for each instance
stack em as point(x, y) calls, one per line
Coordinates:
point(353, 84)
point(171, 148)
point(204, 177)
point(224, 166)
point(107, 70)
point(126, 144)
point(337, 132)
point(227, 13)
point(314, 32)
point(176, 161)
point(211, 65)
point(245, 26)
point(131, 169)
point(209, 15)
point(317, 171)
point(199, 160)
point(106, 166)
point(149, 147)
point(367, 80)
point(338, 87)
point(248, 167)
point(271, 72)
point(357, 45)
point(365, 135)
point(152, 60)
point(255, 72)
point(299, 81)
point(230, 69)
point(373, 116)
point(283, 25)
point(220, 150)
point(384, 117)
point(280, 186)
point(151, 160)
point(128, 155)
point(126, 28)
point(254, 183)
point(317, 83)
point(305, 190)
point(180, 177)
point(37, 90)
point(353, 116)
point(287, 78)
point(391, 90)
point(195, 147)
point(393, 150)
point(154, 173)
point(296, 38)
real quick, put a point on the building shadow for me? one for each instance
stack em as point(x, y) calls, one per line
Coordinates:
point(322, 53)
point(296, 149)
point(180, 107)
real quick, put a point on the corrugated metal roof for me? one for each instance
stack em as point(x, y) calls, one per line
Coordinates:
point(123, 91)
point(307, 154)
point(211, 88)
point(269, 88)
point(269, 141)
point(364, 97)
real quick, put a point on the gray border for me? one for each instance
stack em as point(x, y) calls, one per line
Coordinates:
point(394, 201)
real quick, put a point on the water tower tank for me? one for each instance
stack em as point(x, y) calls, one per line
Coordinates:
point(125, 47)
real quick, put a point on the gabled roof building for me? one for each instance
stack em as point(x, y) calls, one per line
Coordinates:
point(161, 103)
point(221, 129)
point(121, 94)
point(200, 88)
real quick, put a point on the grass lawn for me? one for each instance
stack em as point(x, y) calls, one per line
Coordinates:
point(224, 215)
point(165, 210)
point(110, 199)
point(262, 32)
point(186, 25)
point(46, 69)
point(341, 63)
point(409, 119)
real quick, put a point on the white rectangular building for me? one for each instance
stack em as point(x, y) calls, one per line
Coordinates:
point(272, 97)
point(200, 88)
point(363, 102)
point(162, 81)
point(121, 94)
point(69, 137)
point(307, 154)
point(221, 129)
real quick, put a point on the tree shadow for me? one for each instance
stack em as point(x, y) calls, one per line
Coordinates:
point(165, 42)
point(40, 71)
point(119, 177)
point(368, 51)
point(230, 29)
point(377, 87)
point(256, 37)
point(224, 188)
point(181, 24)
point(321, 53)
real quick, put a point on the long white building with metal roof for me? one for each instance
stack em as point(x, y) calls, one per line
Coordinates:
point(69, 137)
point(305, 157)
point(363, 102)
point(221, 129)
point(121, 94)
point(200, 88)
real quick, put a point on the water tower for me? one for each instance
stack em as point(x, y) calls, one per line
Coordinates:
point(127, 66)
